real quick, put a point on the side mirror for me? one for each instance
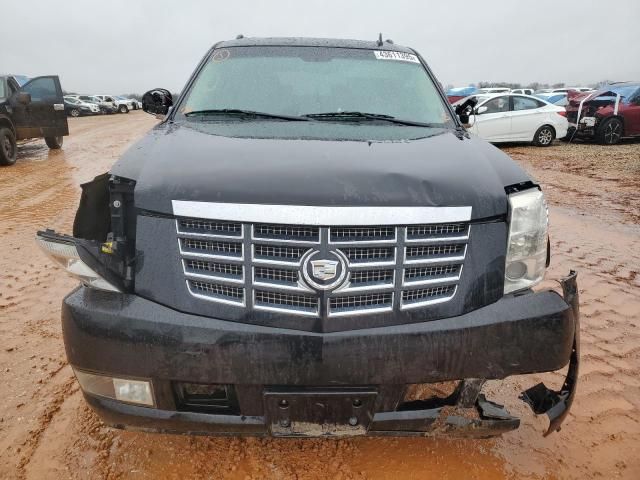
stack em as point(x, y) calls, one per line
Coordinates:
point(464, 109)
point(157, 101)
point(481, 110)
point(23, 97)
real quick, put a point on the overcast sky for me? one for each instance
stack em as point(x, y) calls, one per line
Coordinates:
point(115, 46)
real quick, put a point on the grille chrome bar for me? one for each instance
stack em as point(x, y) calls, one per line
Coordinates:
point(278, 255)
point(195, 227)
point(259, 265)
point(361, 304)
point(434, 254)
point(373, 235)
point(202, 269)
point(216, 292)
point(211, 249)
point(325, 215)
point(285, 302)
point(437, 232)
point(430, 275)
point(427, 296)
point(286, 233)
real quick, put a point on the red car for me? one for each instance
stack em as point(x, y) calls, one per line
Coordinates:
point(606, 115)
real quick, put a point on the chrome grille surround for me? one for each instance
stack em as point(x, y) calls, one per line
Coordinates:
point(259, 265)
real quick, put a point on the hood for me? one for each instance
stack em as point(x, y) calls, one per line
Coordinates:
point(183, 162)
point(603, 96)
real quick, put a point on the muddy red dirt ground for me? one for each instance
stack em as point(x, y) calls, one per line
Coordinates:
point(47, 431)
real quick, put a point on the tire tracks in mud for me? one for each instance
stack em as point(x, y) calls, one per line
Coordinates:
point(55, 399)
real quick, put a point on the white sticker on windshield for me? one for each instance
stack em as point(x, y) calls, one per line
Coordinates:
point(401, 56)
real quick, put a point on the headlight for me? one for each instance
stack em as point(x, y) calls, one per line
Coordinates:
point(66, 254)
point(527, 247)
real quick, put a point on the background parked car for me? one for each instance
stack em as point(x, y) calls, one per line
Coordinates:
point(606, 115)
point(494, 90)
point(105, 107)
point(123, 106)
point(559, 99)
point(76, 108)
point(457, 93)
point(525, 91)
point(517, 118)
point(569, 89)
point(132, 103)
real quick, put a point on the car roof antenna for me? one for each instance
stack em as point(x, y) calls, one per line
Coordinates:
point(380, 39)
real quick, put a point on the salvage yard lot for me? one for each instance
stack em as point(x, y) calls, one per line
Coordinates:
point(47, 431)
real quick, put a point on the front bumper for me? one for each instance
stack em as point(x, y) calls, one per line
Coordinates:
point(128, 336)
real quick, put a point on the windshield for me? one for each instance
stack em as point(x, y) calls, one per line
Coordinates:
point(299, 81)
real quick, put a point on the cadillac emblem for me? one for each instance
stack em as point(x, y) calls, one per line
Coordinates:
point(324, 270)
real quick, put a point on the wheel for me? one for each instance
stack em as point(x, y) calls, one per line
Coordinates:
point(7, 147)
point(544, 136)
point(123, 109)
point(55, 143)
point(610, 132)
point(74, 112)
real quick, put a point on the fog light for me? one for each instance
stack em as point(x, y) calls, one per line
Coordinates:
point(133, 391)
point(121, 389)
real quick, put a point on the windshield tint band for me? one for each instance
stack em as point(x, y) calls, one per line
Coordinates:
point(320, 216)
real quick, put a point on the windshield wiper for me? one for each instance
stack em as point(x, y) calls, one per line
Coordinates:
point(246, 113)
point(368, 116)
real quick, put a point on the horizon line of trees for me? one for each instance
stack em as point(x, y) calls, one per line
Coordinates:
point(533, 85)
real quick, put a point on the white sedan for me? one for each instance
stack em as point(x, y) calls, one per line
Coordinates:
point(517, 118)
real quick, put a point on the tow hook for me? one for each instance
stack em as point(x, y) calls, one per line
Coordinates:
point(540, 398)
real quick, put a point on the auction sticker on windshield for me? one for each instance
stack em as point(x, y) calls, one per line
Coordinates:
point(401, 56)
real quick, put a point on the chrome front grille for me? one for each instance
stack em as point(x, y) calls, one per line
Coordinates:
point(261, 266)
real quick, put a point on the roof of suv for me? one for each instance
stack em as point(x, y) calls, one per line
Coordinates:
point(312, 42)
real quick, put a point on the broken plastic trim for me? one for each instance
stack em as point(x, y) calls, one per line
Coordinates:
point(104, 228)
point(556, 404)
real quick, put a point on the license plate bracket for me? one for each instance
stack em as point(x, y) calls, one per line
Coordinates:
point(319, 412)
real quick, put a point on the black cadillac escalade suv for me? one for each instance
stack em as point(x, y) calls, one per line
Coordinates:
point(309, 243)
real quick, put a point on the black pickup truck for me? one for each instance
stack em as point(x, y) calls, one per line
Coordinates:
point(310, 243)
point(34, 109)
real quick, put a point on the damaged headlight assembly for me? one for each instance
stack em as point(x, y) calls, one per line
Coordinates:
point(526, 260)
point(65, 253)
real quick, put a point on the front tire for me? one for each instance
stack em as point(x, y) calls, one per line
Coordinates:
point(123, 109)
point(8, 147)
point(610, 132)
point(74, 112)
point(54, 143)
point(544, 136)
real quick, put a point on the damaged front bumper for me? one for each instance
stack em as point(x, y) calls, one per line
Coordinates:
point(299, 384)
